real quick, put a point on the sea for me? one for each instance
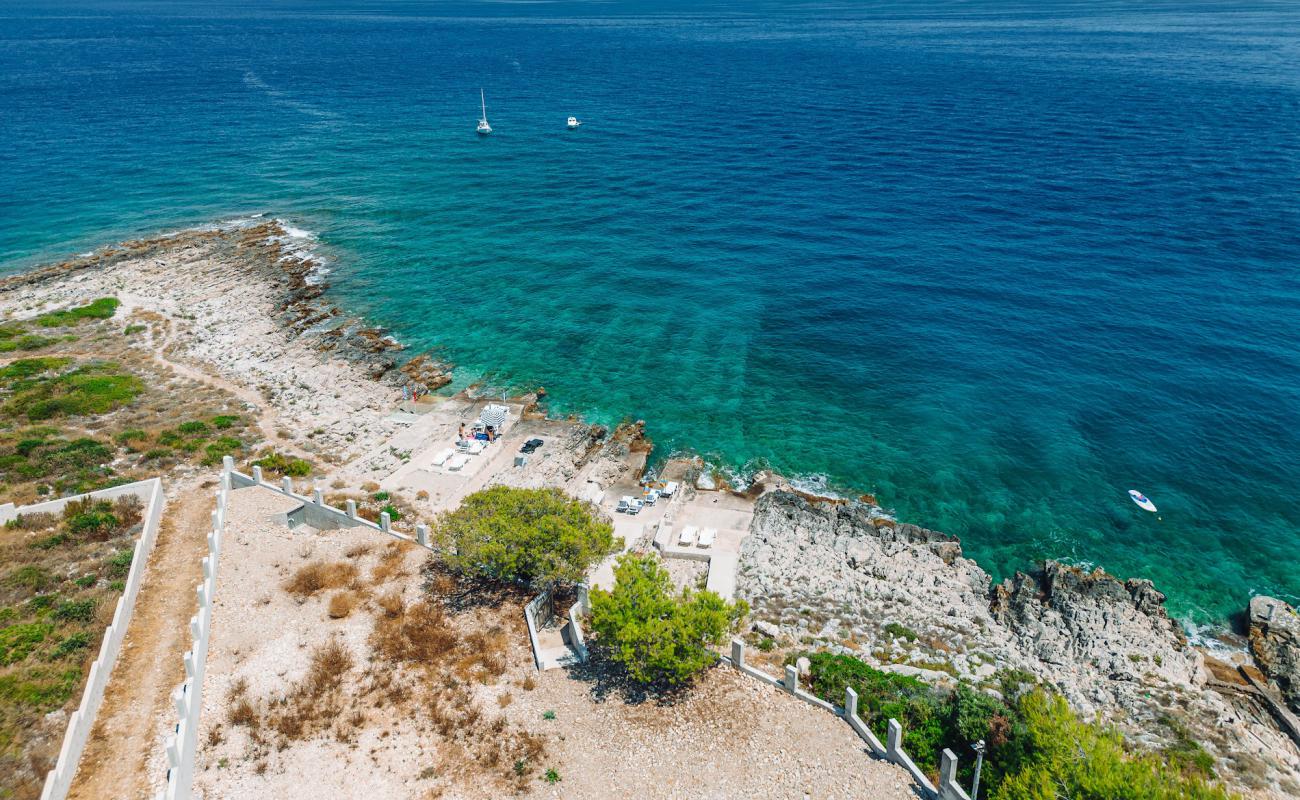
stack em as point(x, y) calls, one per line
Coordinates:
point(994, 263)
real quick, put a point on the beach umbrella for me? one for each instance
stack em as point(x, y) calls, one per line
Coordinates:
point(494, 415)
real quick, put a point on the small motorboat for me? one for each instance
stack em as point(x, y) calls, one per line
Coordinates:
point(1142, 501)
point(573, 123)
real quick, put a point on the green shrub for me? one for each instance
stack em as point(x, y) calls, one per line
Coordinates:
point(1070, 758)
point(31, 577)
point(76, 610)
point(219, 448)
point(131, 435)
point(120, 564)
point(156, 453)
point(193, 426)
point(50, 542)
point(73, 644)
point(224, 421)
point(393, 514)
point(552, 776)
point(134, 329)
point(103, 308)
point(95, 525)
point(381, 496)
point(18, 641)
point(31, 367)
point(534, 536)
point(87, 581)
point(25, 343)
point(900, 632)
point(660, 637)
point(280, 464)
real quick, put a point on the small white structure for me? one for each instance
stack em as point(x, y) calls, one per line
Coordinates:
point(573, 123)
point(687, 537)
point(707, 536)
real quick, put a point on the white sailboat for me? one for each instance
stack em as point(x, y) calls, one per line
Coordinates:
point(483, 126)
point(573, 123)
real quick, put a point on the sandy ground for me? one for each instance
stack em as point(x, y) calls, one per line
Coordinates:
point(731, 737)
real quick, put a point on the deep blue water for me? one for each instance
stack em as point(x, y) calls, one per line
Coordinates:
point(995, 263)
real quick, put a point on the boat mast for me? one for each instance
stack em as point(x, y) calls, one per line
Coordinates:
point(483, 101)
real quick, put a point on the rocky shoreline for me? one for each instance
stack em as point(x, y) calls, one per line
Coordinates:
point(845, 577)
point(840, 575)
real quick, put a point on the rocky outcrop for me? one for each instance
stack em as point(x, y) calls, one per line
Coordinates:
point(848, 576)
point(1275, 644)
point(1067, 618)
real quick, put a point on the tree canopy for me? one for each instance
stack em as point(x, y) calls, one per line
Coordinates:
point(537, 536)
point(659, 636)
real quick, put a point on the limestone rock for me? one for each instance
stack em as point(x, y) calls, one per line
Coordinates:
point(1275, 644)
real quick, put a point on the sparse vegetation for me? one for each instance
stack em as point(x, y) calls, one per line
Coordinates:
point(319, 576)
point(103, 308)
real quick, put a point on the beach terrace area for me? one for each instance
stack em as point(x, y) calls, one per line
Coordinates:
point(341, 661)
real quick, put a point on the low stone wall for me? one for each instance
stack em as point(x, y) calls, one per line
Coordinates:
point(316, 513)
point(891, 750)
point(59, 780)
point(577, 640)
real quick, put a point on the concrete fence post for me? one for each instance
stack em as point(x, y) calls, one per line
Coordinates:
point(257, 474)
point(791, 678)
point(422, 535)
point(385, 521)
point(850, 703)
point(227, 464)
point(352, 509)
point(894, 740)
point(318, 497)
point(947, 772)
point(737, 654)
point(287, 484)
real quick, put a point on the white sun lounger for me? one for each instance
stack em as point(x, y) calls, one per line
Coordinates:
point(687, 536)
point(442, 457)
point(458, 461)
point(707, 536)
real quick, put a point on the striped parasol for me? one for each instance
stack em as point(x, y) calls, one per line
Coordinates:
point(494, 415)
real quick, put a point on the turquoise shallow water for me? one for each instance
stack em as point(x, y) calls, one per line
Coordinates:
point(995, 264)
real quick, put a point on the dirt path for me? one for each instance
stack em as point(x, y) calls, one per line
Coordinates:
point(125, 748)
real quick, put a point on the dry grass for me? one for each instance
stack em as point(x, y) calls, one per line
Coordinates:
point(392, 563)
point(318, 576)
point(341, 604)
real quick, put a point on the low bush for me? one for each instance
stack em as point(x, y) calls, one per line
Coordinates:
point(89, 389)
point(280, 464)
point(660, 637)
point(18, 641)
point(76, 610)
point(318, 576)
point(224, 421)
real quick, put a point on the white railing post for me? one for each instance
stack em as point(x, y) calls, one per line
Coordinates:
point(791, 678)
point(850, 703)
point(737, 654)
point(385, 522)
point(287, 484)
point(947, 772)
point(318, 497)
point(352, 509)
point(422, 535)
point(894, 740)
point(257, 474)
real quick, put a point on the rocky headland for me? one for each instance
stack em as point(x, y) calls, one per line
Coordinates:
point(846, 577)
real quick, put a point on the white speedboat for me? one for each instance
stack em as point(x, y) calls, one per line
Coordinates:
point(1141, 500)
point(573, 123)
point(483, 126)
